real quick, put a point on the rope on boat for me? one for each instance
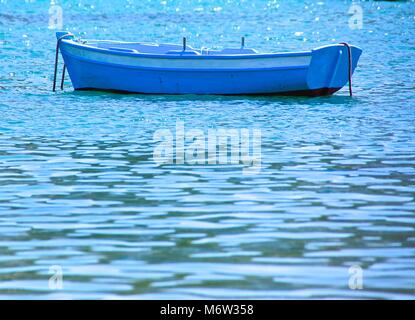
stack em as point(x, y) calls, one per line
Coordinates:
point(349, 51)
point(56, 62)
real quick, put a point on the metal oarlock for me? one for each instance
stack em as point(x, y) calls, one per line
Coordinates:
point(184, 43)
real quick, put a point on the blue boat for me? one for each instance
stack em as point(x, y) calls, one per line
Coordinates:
point(180, 69)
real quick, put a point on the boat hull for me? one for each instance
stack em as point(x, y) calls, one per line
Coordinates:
point(319, 72)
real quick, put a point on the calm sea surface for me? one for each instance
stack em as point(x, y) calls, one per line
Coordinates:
point(80, 192)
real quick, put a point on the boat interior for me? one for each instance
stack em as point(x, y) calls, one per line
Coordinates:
point(169, 49)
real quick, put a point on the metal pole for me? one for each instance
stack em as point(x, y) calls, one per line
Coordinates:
point(349, 51)
point(56, 62)
point(56, 65)
point(63, 76)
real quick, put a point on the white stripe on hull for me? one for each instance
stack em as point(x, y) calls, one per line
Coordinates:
point(193, 63)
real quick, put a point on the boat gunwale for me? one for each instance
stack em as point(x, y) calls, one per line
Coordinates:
point(85, 46)
point(126, 66)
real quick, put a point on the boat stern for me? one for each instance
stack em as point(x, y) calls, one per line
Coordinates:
point(60, 34)
point(329, 67)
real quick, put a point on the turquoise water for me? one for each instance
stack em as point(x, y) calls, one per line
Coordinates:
point(79, 188)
